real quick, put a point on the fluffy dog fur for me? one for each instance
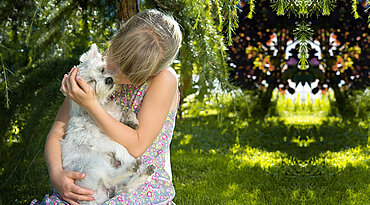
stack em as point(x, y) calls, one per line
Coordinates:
point(109, 168)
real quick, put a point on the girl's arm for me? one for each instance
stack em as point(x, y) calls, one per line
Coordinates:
point(63, 181)
point(153, 112)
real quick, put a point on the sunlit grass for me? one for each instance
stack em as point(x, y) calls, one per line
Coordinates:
point(215, 168)
point(221, 155)
point(249, 156)
point(292, 159)
point(358, 156)
point(314, 109)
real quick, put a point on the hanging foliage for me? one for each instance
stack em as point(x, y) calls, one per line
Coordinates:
point(303, 9)
point(4, 55)
point(303, 34)
point(269, 50)
point(207, 28)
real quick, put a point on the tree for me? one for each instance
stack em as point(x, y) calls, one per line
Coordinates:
point(207, 28)
point(39, 42)
point(37, 52)
point(265, 53)
point(126, 9)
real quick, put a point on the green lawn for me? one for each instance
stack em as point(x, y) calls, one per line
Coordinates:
point(266, 162)
point(226, 159)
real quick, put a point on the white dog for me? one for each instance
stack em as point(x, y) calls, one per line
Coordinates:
point(109, 168)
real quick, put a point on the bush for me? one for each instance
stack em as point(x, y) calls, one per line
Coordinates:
point(35, 99)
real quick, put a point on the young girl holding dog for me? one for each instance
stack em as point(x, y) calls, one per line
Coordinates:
point(139, 56)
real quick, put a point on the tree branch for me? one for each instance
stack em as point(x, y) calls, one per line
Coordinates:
point(312, 4)
point(161, 5)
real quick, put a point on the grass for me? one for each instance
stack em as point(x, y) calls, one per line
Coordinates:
point(220, 157)
point(267, 163)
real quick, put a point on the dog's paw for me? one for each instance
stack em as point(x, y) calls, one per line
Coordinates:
point(132, 124)
point(131, 120)
point(150, 170)
point(136, 165)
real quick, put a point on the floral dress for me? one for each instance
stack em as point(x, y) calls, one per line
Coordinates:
point(157, 189)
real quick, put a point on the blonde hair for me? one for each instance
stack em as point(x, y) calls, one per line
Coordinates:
point(145, 44)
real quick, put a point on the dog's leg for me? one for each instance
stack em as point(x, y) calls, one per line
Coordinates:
point(136, 180)
point(130, 120)
point(101, 195)
point(123, 174)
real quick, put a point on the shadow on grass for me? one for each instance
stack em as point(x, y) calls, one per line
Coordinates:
point(245, 162)
point(299, 142)
point(201, 178)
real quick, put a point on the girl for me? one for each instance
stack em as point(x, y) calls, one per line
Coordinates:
point(140, 55)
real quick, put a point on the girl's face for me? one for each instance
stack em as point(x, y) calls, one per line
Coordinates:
point(113, 68)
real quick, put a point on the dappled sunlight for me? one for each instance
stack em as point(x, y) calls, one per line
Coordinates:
point(230, 190)
point(303, 120)
point(311, 109)
point(302, 105)
point(303, 195)
point(273, 104)
point(186, 139)
point(303, 142)
point(358, 156)
point(249, 156)
point(222, 103)
point(278, 163)
point(290, 140)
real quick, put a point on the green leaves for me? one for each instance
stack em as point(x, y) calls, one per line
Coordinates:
point(38, 29)
point(325, 7)
point(281, 4)
point(303, 34)
point(208, 27)
point(303, 9)
point(251, 9)
point(354, 9)
point(4, 55)
point(231, 20)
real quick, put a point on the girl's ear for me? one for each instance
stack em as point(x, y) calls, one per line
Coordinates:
point(91, 54)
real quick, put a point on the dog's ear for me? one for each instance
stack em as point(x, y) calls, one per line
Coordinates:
point(92, 53)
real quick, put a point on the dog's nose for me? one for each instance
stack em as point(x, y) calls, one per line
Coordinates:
point(109, 81)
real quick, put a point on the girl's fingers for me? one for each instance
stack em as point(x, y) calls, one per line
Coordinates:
point(74, 175)
point(77, 189)
point(80, 197)
point(81, 191)
point(72, 78)
point(64, 88)
point(82, 83)
point(67, 81)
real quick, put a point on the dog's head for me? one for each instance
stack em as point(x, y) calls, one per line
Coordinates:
point(91, 70)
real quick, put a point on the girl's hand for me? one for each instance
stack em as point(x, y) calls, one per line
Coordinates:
point(68, 190)
point(78, 90)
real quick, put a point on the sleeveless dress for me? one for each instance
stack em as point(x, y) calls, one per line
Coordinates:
point(157, 189)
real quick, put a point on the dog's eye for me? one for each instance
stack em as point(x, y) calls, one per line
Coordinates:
point(102, 70)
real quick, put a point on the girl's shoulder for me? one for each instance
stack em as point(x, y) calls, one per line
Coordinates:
point(167, 77)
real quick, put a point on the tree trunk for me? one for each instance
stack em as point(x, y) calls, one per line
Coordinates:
point(265, 101)
point(126, 9)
